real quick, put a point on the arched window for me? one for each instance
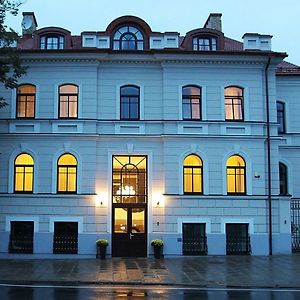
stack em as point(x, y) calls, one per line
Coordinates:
point(234, 99)
point(130, 102)
point(67, 174)
point(281, 117)
point(26, 101)
point(52, 42)
point(128, 38)
point(205, 43)
point(236, 175)
point(24, 167)
point(68, 101)
point(191, 103)
point(283, 179)
point(192, 175)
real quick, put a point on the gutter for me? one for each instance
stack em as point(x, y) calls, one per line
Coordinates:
point(269, 156)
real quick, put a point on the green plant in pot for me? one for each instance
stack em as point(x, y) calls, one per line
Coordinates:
point(101, 248)
point(157, 247)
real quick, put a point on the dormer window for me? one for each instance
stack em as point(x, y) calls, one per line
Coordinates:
point(128, 38)
point(52, 42)
point(205, 43)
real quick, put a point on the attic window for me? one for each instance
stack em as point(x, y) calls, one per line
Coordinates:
point(52, 42)
point(128, 38)
point(205, 43)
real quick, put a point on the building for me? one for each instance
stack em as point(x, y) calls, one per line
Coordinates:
point(131, 135)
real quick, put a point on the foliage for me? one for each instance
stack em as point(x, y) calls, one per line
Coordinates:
point(10, 63)
point(157, 243)
point(102, 242)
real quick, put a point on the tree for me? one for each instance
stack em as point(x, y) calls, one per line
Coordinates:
point(10, 62)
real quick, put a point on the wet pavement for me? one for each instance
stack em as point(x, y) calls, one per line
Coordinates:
point(210, 271)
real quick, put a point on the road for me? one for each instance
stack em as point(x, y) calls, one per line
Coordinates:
point(18, 292)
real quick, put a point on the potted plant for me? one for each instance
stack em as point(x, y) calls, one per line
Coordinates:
point(157, 247)
point(101, 248)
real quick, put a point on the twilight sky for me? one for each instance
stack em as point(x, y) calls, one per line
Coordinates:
point(275, 17)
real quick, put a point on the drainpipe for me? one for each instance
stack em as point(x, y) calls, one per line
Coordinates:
point(269, 156)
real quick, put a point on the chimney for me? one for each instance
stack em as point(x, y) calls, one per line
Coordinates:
point(214, 22)
point(29, 23)
point(255, 41)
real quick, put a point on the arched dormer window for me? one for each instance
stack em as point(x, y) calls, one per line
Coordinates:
point(205, 43)
point(128, 37)
point(52, 42)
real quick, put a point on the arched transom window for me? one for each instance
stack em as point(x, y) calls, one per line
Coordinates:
point(236, 175)
point(192, 175)
point(24, 167)
point(234, 98)
point(128, 38)
point(67, 174)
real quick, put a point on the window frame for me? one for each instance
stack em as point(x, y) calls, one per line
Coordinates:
point(68, 95)
point(232, 105)
point(235, 168)
point(67, 175)
point(205, 37)
point(200, 167)
point(119, 41)
point(18, 95)
point(24, 166)
point(282, 113)
point(190, 104)
point(130, 96)
point(49, 36)
point(283, 179)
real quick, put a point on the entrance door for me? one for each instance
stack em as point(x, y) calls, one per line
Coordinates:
point(129, 237)
point(129, 206)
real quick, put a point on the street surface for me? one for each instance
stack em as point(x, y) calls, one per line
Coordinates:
point(18, 292)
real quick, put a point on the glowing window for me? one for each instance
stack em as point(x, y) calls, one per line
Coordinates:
point(26, 101)
point(68, 101)
point(128, 38)
point(67, 174)
point(234, 104)
point(236, 175)
point(192, 175)
point(24, 167)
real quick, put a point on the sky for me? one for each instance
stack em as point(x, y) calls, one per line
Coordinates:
point(278, 18)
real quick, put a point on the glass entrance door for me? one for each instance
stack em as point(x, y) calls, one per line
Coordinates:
point(129, 206)
point(129, 231)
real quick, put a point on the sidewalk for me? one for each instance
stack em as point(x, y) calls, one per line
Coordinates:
point(209, 271)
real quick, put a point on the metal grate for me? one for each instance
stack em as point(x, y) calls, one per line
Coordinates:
point(21, 237)
point(237, 239)
point(194, 239)
point(65, 239)
point(295, 224)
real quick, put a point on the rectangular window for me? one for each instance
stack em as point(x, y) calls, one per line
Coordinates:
point(194, 239)
point(65, 240)
point(26, 101)
point(68, 101)
point(21, 237)
point(237, 239)
point(191, 103)
point(281, 117)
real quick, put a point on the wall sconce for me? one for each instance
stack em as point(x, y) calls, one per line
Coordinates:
point(98, 201)
point(157, 203)
point(256, 175)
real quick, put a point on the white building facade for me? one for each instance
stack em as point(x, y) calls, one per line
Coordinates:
point(132, 135)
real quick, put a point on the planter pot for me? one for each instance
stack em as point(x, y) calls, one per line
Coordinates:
point(101, 251)
point(157, 251)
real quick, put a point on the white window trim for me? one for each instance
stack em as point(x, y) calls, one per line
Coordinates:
point(34, 219)
point(79, 220)
point(206, 221)
point(225, 221)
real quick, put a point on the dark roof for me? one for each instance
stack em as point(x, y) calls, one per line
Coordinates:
point(232, 45)
point(286, 68)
